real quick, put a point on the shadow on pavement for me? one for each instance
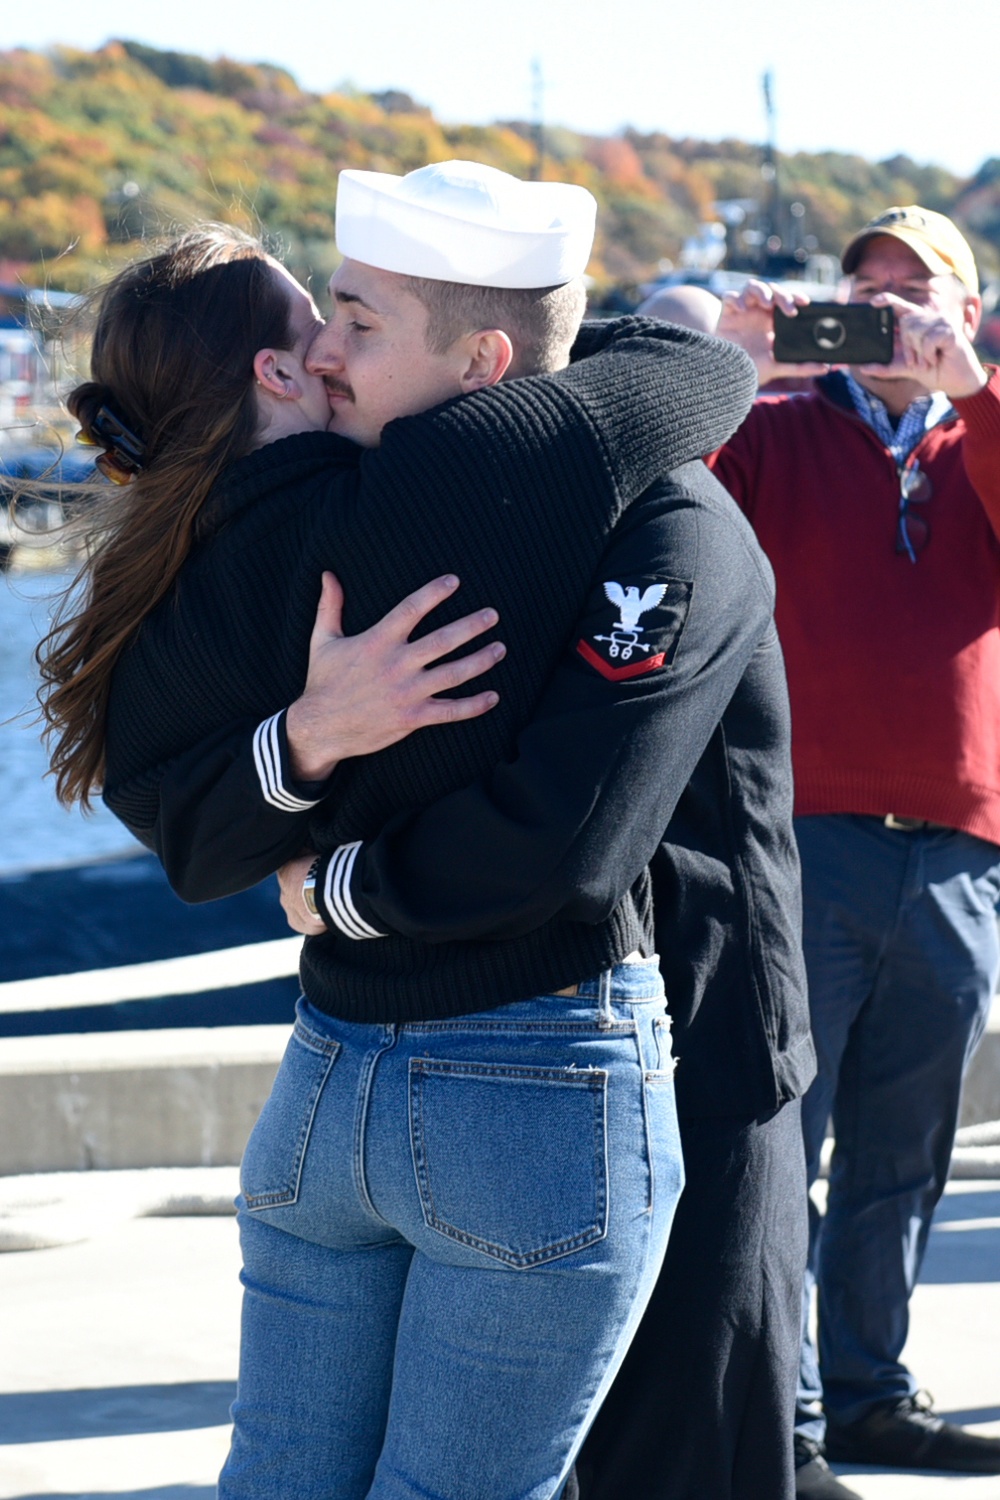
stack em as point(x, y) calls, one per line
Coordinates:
point(960, 1249)
point(165, 1492)
point(972, 1415)
point(984, 1203)
point(116, 1411)
point(962, 1255)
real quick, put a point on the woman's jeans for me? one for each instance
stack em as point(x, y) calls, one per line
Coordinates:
point(450, 1230)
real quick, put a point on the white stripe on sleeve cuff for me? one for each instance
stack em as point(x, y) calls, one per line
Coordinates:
point(337, 897)
point(271, 772)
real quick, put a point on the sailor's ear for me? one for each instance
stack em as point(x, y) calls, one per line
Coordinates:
point(269, 373)
point(488, 356)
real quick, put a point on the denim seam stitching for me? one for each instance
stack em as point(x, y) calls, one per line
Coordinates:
point(290, 1195)
point(647, 1132)
point(361, 1123)
point(313, 1039)
point(662, 1073)
point(591, 1078)
point(513, 1028)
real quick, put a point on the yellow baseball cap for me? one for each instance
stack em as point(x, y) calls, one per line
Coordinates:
point(943, 250)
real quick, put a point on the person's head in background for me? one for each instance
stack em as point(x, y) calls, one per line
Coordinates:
point(696, 307)
point(690, 306)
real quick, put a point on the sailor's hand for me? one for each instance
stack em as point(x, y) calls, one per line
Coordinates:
point(290, 879)
point(364, 692)
point(931, 348)
point(747, 319)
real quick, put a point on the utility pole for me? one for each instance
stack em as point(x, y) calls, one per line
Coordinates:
point(537, 117)
point(771, 216)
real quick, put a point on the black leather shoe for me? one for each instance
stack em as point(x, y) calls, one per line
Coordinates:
point(814, 1479)
point(908, 1434)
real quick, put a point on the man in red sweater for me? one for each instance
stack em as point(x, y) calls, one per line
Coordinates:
point(876, 496)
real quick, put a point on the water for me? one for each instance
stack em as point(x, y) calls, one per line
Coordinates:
point(55, 919)
point(35, 832)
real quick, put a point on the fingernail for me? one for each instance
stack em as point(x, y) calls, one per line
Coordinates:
point(449, 581)
point(492, 699)
point(499, 649)
point(489, 617)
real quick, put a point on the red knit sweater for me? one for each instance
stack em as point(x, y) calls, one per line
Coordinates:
point(893, 666)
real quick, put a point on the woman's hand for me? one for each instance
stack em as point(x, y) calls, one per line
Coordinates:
point(364, 692)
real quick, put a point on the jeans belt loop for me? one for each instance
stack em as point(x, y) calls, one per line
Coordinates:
point(605, 1016)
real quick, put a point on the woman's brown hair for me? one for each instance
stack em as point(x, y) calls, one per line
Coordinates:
point(172, 365)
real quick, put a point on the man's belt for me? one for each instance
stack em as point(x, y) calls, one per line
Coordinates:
point(913, 825)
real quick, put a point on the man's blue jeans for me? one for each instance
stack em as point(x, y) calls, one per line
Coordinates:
point(901, 949)
point(450, 1230)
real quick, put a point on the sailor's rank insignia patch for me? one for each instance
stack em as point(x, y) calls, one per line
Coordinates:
point(635, 627)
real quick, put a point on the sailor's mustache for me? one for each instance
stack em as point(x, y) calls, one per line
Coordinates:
point(338, 387)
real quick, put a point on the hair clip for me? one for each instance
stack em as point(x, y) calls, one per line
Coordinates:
point(124, 453)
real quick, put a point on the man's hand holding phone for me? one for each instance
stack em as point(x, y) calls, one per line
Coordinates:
point(931, 348)
point(747, 319)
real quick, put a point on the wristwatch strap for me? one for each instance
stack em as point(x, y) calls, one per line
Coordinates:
point(309, 887)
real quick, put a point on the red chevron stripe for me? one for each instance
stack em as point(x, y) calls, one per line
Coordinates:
point(617, 674)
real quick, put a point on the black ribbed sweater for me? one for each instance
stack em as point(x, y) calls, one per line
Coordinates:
point(516, 489)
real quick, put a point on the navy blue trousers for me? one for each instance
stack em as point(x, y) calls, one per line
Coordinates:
point(900, 938)
point(702, 1406)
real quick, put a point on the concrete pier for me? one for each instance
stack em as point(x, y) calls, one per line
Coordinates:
point(119, 1354)
point(133, 1098)
point(187, 1096)
point(118, 1350)
point(181, 1096)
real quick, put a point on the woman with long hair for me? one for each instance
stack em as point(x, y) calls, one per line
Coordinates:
point(198, 359)
point(456, 1200)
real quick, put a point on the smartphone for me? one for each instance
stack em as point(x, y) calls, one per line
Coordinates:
point(835, 333)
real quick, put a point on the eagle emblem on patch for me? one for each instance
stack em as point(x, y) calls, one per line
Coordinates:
point(636, 628)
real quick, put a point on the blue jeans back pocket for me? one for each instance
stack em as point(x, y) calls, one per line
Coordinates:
point(510, 1160)
point(272, 1162)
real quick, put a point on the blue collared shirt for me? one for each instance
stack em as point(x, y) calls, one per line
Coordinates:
point(919, 417)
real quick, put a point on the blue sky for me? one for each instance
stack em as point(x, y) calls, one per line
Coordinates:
point(875, 78)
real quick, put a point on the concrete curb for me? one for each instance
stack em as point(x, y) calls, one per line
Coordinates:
point(981, 1098)
point(189, 1097)
point(185, 1098)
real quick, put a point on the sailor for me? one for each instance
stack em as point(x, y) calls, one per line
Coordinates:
point(467, 877)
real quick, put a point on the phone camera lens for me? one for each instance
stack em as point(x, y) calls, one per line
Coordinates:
point(830, 333)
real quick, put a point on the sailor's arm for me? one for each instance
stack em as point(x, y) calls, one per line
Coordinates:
point(642, 396)
point(567, 826)
point(639, 398)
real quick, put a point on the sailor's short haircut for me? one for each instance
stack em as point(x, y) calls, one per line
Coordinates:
point(541, 323)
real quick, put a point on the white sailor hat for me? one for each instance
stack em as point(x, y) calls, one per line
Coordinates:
point(461, 221)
